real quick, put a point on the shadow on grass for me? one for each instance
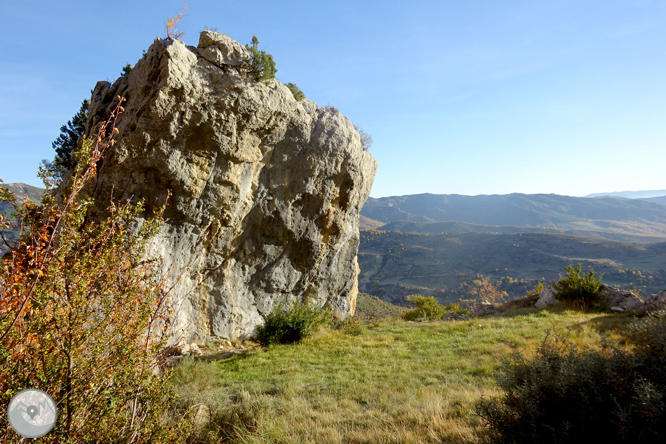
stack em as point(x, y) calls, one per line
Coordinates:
point(605, 322)
point(615, 323)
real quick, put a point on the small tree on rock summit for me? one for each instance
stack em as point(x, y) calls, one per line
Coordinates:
point(261, 65)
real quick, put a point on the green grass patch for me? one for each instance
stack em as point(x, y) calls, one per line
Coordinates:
point(393, 382)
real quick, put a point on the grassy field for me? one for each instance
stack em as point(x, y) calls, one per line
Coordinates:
point(384, 382)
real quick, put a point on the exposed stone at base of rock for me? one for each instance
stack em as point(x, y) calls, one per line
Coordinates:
point(652, 303)
point(610, 297)
point(547, 298)
point(485, 308)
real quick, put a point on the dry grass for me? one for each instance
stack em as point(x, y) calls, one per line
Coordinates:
point(393, 382)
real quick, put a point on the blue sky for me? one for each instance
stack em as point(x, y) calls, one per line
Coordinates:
point(467, 97)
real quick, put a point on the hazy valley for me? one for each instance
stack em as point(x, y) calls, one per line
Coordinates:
point(439, 244)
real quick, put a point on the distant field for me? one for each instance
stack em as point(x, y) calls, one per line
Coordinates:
point(386, 382)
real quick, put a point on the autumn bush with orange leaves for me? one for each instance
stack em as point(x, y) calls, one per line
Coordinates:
point(170, 27)
point(84, 313)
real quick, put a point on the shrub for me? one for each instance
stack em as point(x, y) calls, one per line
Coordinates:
point(538, 289)
point(296, 91)
point(351, 325)
point(126, 70)
point(286, 326)
point(366, 139)
point(456, 309)
point(565, 395)
point(488, 291)
point(427, 308)
point(83, 315)
point(576, 288)
point(261, 65)
point(170, 27)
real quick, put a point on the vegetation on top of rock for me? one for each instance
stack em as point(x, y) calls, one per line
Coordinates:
point(126, 70)
point(261, 64)
point(366, 139)
point(564, 394)
point(576, 288)
point(296, 91)
point(170, 27)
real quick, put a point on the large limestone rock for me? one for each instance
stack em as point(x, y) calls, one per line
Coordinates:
point(266, 190)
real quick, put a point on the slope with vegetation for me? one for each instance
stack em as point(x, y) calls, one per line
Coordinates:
point(395, 264)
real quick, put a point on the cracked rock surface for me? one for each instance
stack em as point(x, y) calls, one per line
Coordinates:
point(266, 190)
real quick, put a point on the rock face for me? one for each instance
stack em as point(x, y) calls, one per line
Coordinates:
point(266, 190)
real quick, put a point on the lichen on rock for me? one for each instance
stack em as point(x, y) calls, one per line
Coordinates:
point(266, 190)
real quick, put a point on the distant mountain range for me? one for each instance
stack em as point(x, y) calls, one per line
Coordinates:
point(440, 244)
point(635, 220)
point(21, 191)
point(631, 194)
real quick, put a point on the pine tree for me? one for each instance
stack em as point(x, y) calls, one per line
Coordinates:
point(67, 141)
point(261, 65)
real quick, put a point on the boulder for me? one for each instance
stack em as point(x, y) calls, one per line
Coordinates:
point(266, 190)
point(485, 308)
point(547, 297)
point(611, 297)
point(222, 50)
point(653, 302)
point(200, 416)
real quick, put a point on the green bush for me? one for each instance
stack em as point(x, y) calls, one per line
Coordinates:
point(565, 395)
point(286, 326)
point(296, 91)
point(351, 325)
point(576, 288)
point(427, 308)
point(456, 309)
point(261, 65)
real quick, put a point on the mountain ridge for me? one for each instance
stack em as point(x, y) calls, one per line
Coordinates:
point(642, 194)
point(612, 218)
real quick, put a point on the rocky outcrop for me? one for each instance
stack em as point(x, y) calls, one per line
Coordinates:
point(654, 302)
point(266, 190)
point(547, 297)
point(612, 298)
